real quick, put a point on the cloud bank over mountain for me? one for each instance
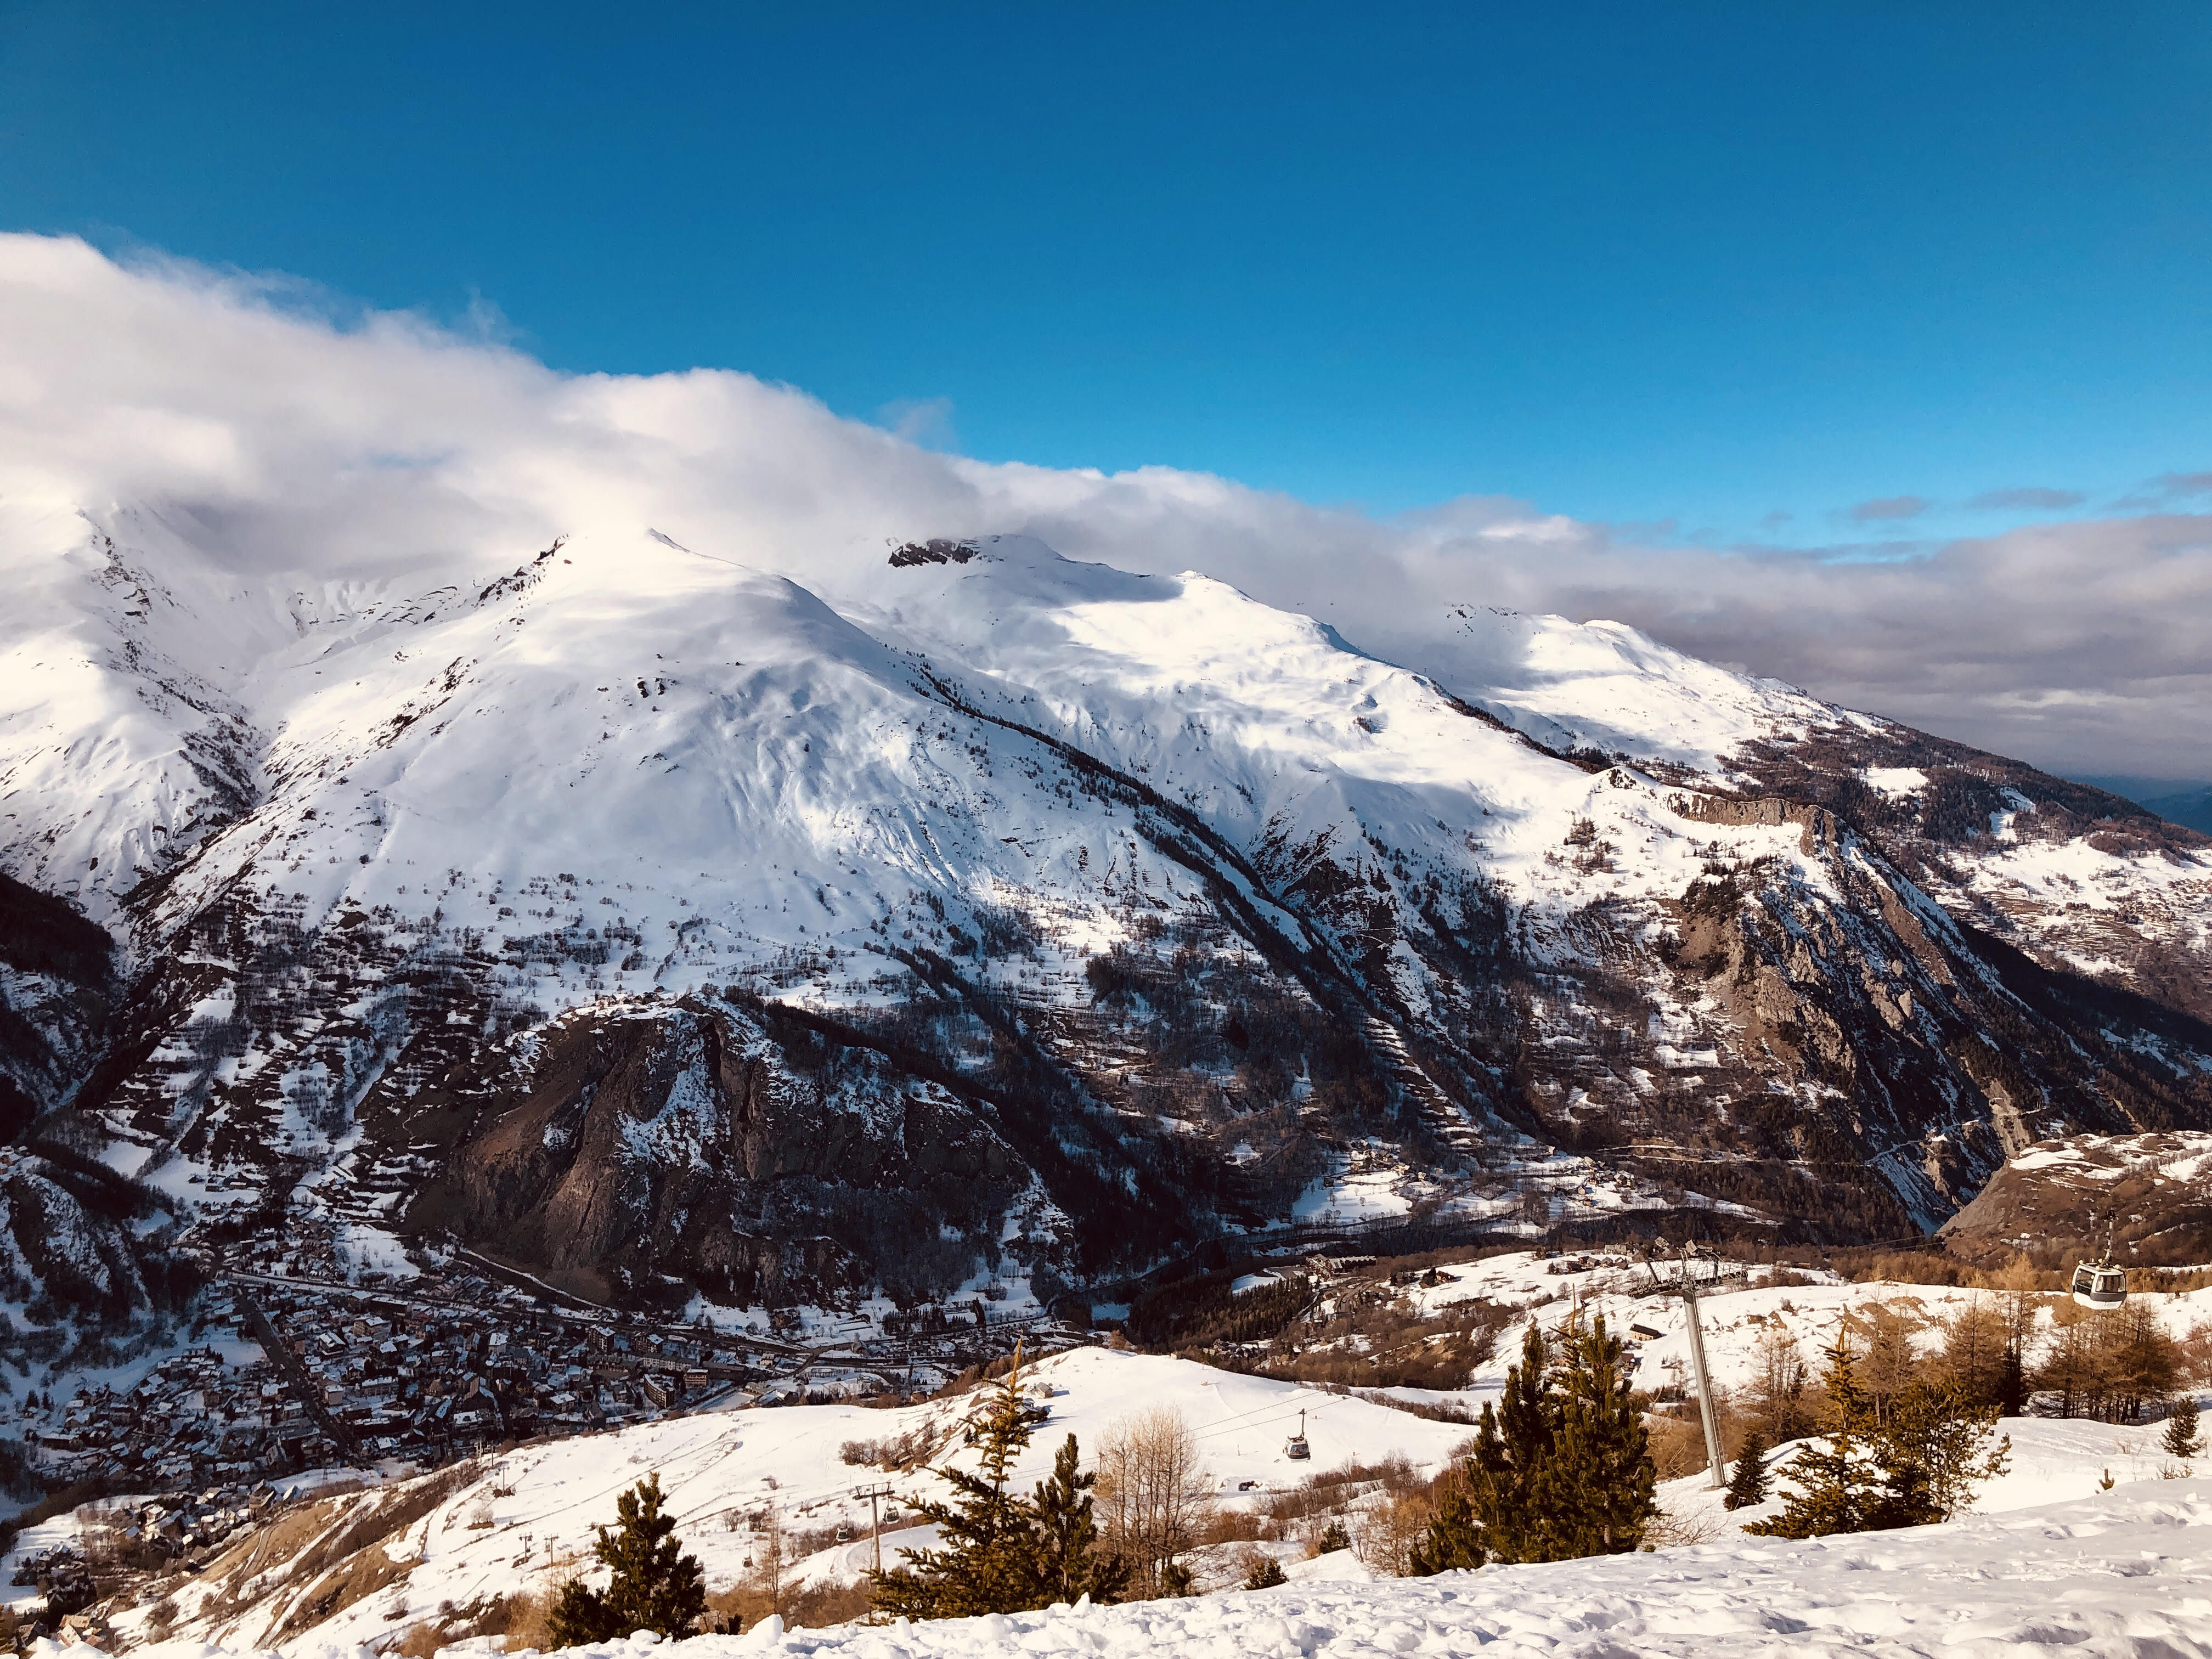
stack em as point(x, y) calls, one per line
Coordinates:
point(295, 436)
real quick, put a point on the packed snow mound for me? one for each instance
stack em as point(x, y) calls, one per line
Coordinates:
point(2126, 1573)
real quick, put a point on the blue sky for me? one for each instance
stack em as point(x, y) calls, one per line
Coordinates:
point(1651, 266)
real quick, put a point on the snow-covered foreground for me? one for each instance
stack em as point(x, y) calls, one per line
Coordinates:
point(2126, 1573)
point(526, 1521)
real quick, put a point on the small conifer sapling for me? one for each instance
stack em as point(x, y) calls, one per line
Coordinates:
point(1265, 1573)
point(655, 1585)
point(1747, 1485)
point(2181, 1439)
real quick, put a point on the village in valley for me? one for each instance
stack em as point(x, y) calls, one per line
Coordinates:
point(301, 1369)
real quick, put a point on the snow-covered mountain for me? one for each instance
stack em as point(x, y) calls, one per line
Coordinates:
point(669, 924)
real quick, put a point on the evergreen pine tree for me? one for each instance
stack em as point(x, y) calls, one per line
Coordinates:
point(1933, 1452)
point(2180, 1438)
point(655, 1585)
point(988, 1562)
point(1265, 1573)
point(1454, 1539)
point(1920, 1464)
point(579, 1616)
point(1486, 1515)
point(1559, 1469)
point(2012, 1384)
point(1594, 1486)
point(1837, 1490)
point(1067, 1564)
point(1747, 1485)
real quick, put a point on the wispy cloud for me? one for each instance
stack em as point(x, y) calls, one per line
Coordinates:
point(2028, 498)
point(315, 445)
point(1886, 507)
point(924, 421)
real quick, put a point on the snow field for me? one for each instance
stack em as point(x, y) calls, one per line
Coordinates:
point(1736, 1317)
point(721, 1470)
point(2121, 1575)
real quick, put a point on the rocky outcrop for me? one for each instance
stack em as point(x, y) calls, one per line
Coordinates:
point(720, 1146)
point(2151, 1196)
point(58, 992)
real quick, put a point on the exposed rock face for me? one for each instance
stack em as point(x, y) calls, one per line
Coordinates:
point(665, 927)
point(1990, 839)
point(2149, 1194)
point(694, 1145)
point(58, 992)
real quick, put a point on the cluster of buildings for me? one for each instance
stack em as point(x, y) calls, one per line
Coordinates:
point(424, 1369)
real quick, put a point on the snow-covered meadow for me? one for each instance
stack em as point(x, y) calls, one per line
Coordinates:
point(2125, 1572)
point(2129, 1572)
point(524, 1523)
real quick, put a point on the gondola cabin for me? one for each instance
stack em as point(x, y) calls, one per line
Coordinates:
point(1297, 1446)
point(2100, 1284)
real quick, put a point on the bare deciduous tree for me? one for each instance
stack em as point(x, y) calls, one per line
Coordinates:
point(1778, 1383)
point(1151, 1501)
point(768, 1561)
point(1386, 1535)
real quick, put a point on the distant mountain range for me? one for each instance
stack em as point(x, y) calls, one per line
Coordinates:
point(2176, 800)
point(973, 915)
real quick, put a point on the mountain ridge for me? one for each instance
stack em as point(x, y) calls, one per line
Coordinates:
point(1147, 895)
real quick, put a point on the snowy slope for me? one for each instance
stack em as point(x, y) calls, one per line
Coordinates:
point(1743, 1313)
point(722, 1471)
point(525, 1520)
point(1605, 686)
point(2127, 1571)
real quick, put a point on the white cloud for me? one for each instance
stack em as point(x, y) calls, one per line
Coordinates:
point(296, 438)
